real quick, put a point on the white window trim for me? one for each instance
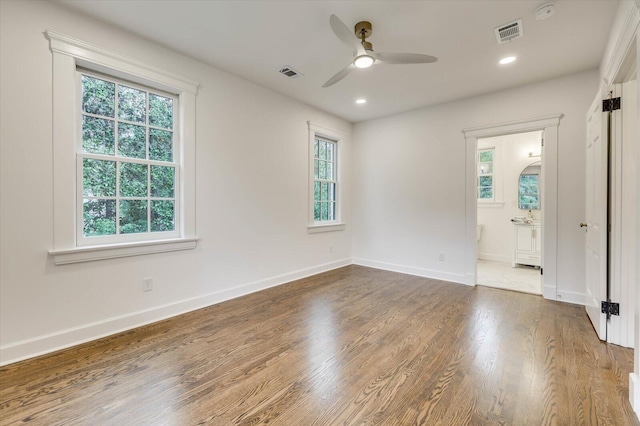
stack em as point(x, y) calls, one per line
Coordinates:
point(69, 54)
point(314, 227)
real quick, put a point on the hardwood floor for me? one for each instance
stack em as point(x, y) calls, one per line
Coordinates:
point(351, 346)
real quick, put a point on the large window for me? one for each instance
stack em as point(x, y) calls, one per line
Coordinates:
point(127, 159)
point(325, 179)
point(486, 189)
point(123, 155)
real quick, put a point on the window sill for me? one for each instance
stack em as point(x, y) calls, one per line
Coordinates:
point(491, 204)
point(112, 251)
point(330, 227)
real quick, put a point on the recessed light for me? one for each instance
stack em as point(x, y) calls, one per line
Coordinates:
point(507, 60)
point(361, 101)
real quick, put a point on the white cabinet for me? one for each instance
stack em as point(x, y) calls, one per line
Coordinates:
point(527, 244)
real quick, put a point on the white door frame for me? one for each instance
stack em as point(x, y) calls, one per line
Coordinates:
point(549, 125)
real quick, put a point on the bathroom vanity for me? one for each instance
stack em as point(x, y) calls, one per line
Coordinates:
point(527, 244)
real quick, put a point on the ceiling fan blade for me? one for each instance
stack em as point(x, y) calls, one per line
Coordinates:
point(342, 74)
point(403, 58)
point(345, 35)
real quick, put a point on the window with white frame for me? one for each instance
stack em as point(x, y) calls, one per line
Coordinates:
point(486, 187)
point(123, 157)
point(324, 179)
point(127, 162)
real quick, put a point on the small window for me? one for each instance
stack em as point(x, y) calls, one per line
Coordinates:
point(528, 193)
point(128, 171)
point(486, 189)
point(325, 179)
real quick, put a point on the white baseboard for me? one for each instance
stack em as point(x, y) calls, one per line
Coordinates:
point(413, 270)
point(495, 257)
point(634, 393)
point(552, 293)
point(41, 345)
point(572, 297)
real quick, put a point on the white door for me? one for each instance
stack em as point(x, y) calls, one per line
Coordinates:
point(596, 216)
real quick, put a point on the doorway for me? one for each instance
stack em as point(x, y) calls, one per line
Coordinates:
point(548, 124)
point(509, 212)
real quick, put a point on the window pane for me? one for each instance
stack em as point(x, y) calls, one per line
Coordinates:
point(323, 211)
point(316, 191)
point(316, 169)
point(324, 191)
point(332, 211)
point(160, 111)
point(160, 145)
point(485, 193)
point(485, 156)
point(528, 197)
point(330, 171)
point(99, 217)
point(97, 135)
point(132, 104)
point(485, 168)
point(315, 149)
point(133, 180)
point(529, 184)
point(162, 181)
point(322, 151)
point(330, 147)
point(162, 217)
point(332, 191)
point(133, 216)
point(322, 172)
point(132, 141)
point(98, 178)
point(98, 96)
point(485, 181)
point(316, 211)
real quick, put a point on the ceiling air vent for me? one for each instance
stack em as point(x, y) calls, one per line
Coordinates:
point(290, 72)
point(510, 31)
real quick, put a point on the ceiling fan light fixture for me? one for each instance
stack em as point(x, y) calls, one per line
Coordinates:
point(363, 61)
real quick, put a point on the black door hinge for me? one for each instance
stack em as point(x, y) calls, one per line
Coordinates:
point(541, 271)
point(610, 104)
point(610, 308)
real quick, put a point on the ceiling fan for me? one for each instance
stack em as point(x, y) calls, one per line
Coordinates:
point(363, 53)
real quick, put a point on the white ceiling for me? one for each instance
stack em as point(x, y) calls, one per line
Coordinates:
point(254, 39)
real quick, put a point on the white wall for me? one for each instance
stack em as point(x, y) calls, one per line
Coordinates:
point(252, 165)
point(409, 180)
point(511, 157)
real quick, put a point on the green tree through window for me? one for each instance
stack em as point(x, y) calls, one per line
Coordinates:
point(128, 164)
point(324, 179)
point(528, 195)
point(485, 174)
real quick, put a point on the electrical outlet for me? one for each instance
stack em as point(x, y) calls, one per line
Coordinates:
point(441, 258)
point(147, 284)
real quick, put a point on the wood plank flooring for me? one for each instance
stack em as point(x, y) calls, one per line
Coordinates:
point(352, 346)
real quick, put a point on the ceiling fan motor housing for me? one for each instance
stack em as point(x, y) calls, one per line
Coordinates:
point(363, 29)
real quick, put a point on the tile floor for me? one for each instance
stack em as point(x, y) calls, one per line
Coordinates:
point(525, 279)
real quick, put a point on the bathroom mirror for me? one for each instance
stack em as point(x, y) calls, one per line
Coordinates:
point(529, 188)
